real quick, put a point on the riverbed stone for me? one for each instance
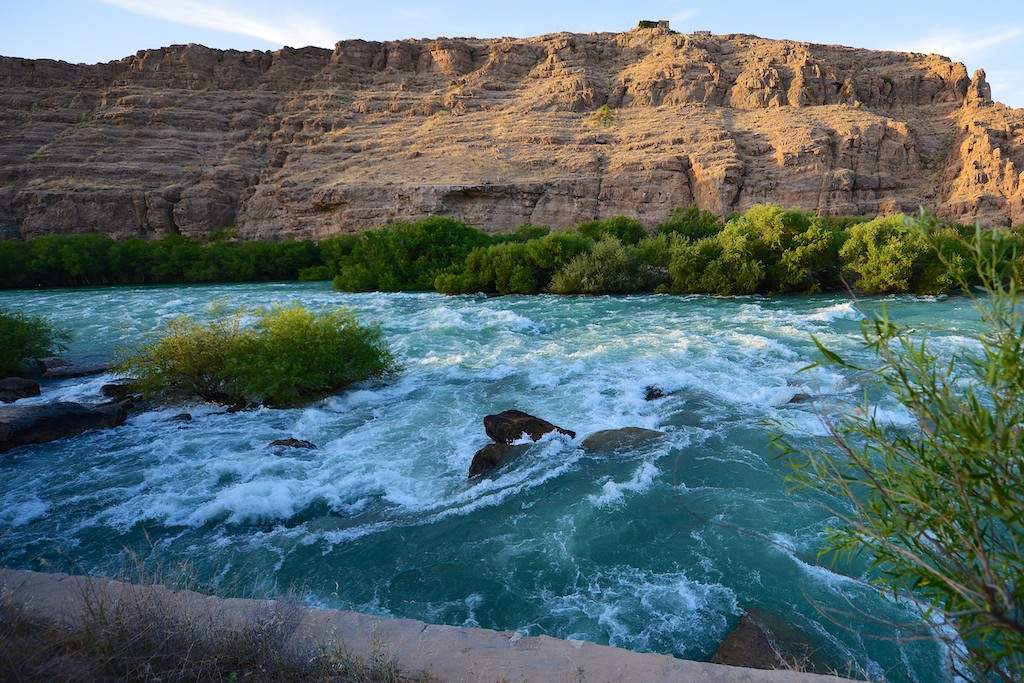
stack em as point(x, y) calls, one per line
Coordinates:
point(40, 423)
point(653, 393)
point(292, 442)
point(608, 440)
point(13, 388)
point(119, 389)
point(181, 417)
point(762, 640)
point(492, 456)
point(509, 426)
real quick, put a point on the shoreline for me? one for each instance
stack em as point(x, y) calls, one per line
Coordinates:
point(445, 653)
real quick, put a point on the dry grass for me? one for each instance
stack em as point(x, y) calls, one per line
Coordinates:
point(153, 635)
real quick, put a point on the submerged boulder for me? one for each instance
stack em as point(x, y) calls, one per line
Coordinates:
point(653, 393)
point(765, 641)
point(292, 442)
point(511, 425)
point(493, 456)
point(21, 425)
point(181, 417)
point(13, 388)
point(619, 439)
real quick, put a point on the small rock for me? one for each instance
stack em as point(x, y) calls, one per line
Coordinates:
point(511, 425)
point(493, 456)
point(801, 398)
point(608, 440)
point(181, 417)
point(292, 443)
point(21, 425)
point(653, 393)
point(13, 388)
point(121, 389)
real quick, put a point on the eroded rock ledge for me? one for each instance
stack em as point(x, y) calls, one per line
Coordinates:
point(310, 142)
point(446, 653)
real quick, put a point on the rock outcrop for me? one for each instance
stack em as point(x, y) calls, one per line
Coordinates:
point(310, 142)
point(14, 388)
point(510, 426)
point(625, 438)
point(22, 425)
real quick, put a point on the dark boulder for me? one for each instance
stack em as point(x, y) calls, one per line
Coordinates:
point(119, 389)
point(292, 443)
point(13, 388)
point(21, 425)
point(70, 370)
point(653, 393)
point(181, 417)
point(801, 398)
point(766, 641)
point(493, 456)
point(608, 440)
point(511, 425)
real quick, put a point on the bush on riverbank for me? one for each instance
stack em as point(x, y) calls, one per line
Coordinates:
point(24, 337)
point(937, 508)
point(282, 356)
point(85, 260)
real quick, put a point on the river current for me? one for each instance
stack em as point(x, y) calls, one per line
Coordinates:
point(658, 549)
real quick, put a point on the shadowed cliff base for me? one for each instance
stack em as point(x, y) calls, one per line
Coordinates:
point(551, 130)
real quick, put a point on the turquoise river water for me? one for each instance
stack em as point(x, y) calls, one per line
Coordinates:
point(659, 549)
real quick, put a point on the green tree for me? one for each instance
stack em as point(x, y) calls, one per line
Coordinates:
point(25, 337)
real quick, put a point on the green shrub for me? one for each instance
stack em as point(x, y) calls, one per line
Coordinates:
point(287, 356)
point(626, 230)
point(938, 508)
point(513, 267)
point(609, 268)
point(25, 337)
point(524, 233)
point(706, 267)
point(691, 224)
point(884, 255)
point(406, 256)
point(316, 273)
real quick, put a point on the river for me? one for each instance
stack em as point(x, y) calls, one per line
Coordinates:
point(658, 549)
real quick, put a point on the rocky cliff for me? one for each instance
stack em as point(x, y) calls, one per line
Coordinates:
point(550, 130)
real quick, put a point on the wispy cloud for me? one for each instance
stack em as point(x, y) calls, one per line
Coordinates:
point(958, 44)
point(284, 29)
point(683, 16)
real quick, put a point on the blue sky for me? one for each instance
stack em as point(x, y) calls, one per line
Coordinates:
point(981, 34)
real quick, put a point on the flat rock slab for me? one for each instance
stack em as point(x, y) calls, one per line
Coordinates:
point(75, 370)
point(40, 423)
point(445, 653)
point(609, 440)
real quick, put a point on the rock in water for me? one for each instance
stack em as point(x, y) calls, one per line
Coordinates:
point(292, 443)
point(181, 417)
point(13, 388)
point(511, 425)
point(493, 456)
point(608, 440)
point(765, 641)
point(120, 389)
point(21, 425)
point(75, 370)
point(653, 393)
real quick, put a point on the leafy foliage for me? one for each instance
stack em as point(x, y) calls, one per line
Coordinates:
point(609, 268)
point(938, 508)
point(286, 356)
point(626, 230)
point(406, 256)
point(691, 224)
point(24, 337)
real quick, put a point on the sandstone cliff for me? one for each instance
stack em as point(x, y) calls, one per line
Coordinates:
point(310, 142)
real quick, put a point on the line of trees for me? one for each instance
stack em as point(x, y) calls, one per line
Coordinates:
point(767, 249)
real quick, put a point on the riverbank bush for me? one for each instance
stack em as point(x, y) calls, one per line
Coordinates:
point(937, 508)
point(765, 250)
point(88, 260)
point(280, 356)
point(24, 337)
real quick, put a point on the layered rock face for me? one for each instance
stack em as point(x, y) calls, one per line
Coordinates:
point(312, 142)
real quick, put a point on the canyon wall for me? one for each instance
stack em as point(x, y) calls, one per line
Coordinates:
point(550, 130)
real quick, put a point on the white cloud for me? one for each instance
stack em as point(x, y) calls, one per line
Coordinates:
point(963, 46)
point(290, 29)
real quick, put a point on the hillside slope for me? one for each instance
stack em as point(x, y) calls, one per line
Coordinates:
point(310, 142)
